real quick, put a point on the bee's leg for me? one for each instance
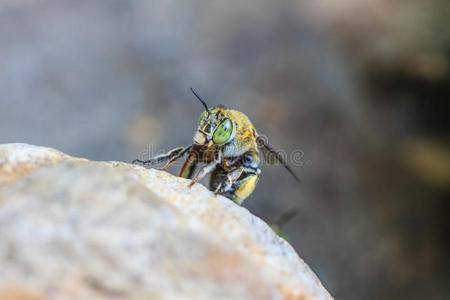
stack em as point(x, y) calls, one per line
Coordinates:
point(189, 166)
point(207, 169)
point(175, 158)
point(219, 187)
point(171, 155)
point(160, 158)
point(227, 183)
point(203, 172)
point(217, 179)
point(223, 187)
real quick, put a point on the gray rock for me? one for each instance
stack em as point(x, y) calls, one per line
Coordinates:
point(77, 229)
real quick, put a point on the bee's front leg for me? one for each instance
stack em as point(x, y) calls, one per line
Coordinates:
point(203, 172)
point(171, 156)
point(206, 169)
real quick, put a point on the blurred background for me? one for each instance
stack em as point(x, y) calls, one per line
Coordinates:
point(360, 87)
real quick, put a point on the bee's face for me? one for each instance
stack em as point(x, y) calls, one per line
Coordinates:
point(214, 128)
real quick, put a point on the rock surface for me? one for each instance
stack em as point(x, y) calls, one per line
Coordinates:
point(77, 229)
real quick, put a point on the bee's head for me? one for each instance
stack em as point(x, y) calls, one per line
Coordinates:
point(214, 128)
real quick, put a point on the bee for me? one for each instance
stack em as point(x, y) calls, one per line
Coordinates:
point(229, 147)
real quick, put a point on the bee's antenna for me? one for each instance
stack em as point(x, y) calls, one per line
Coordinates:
point(200, 99)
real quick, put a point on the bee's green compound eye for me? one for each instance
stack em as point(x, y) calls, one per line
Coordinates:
point(202, 117)
point(223, 132)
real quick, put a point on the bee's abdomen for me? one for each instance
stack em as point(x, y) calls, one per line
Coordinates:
point(237, 187)
point(245, 185)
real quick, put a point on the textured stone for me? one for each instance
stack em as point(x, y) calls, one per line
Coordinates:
point(77, 229)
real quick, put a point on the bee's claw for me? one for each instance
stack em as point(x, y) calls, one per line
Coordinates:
point(164, 168)
point(191, 183)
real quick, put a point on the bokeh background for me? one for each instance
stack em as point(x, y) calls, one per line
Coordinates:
point(361, 87)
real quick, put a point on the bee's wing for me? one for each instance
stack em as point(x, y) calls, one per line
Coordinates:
point(271, 156)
